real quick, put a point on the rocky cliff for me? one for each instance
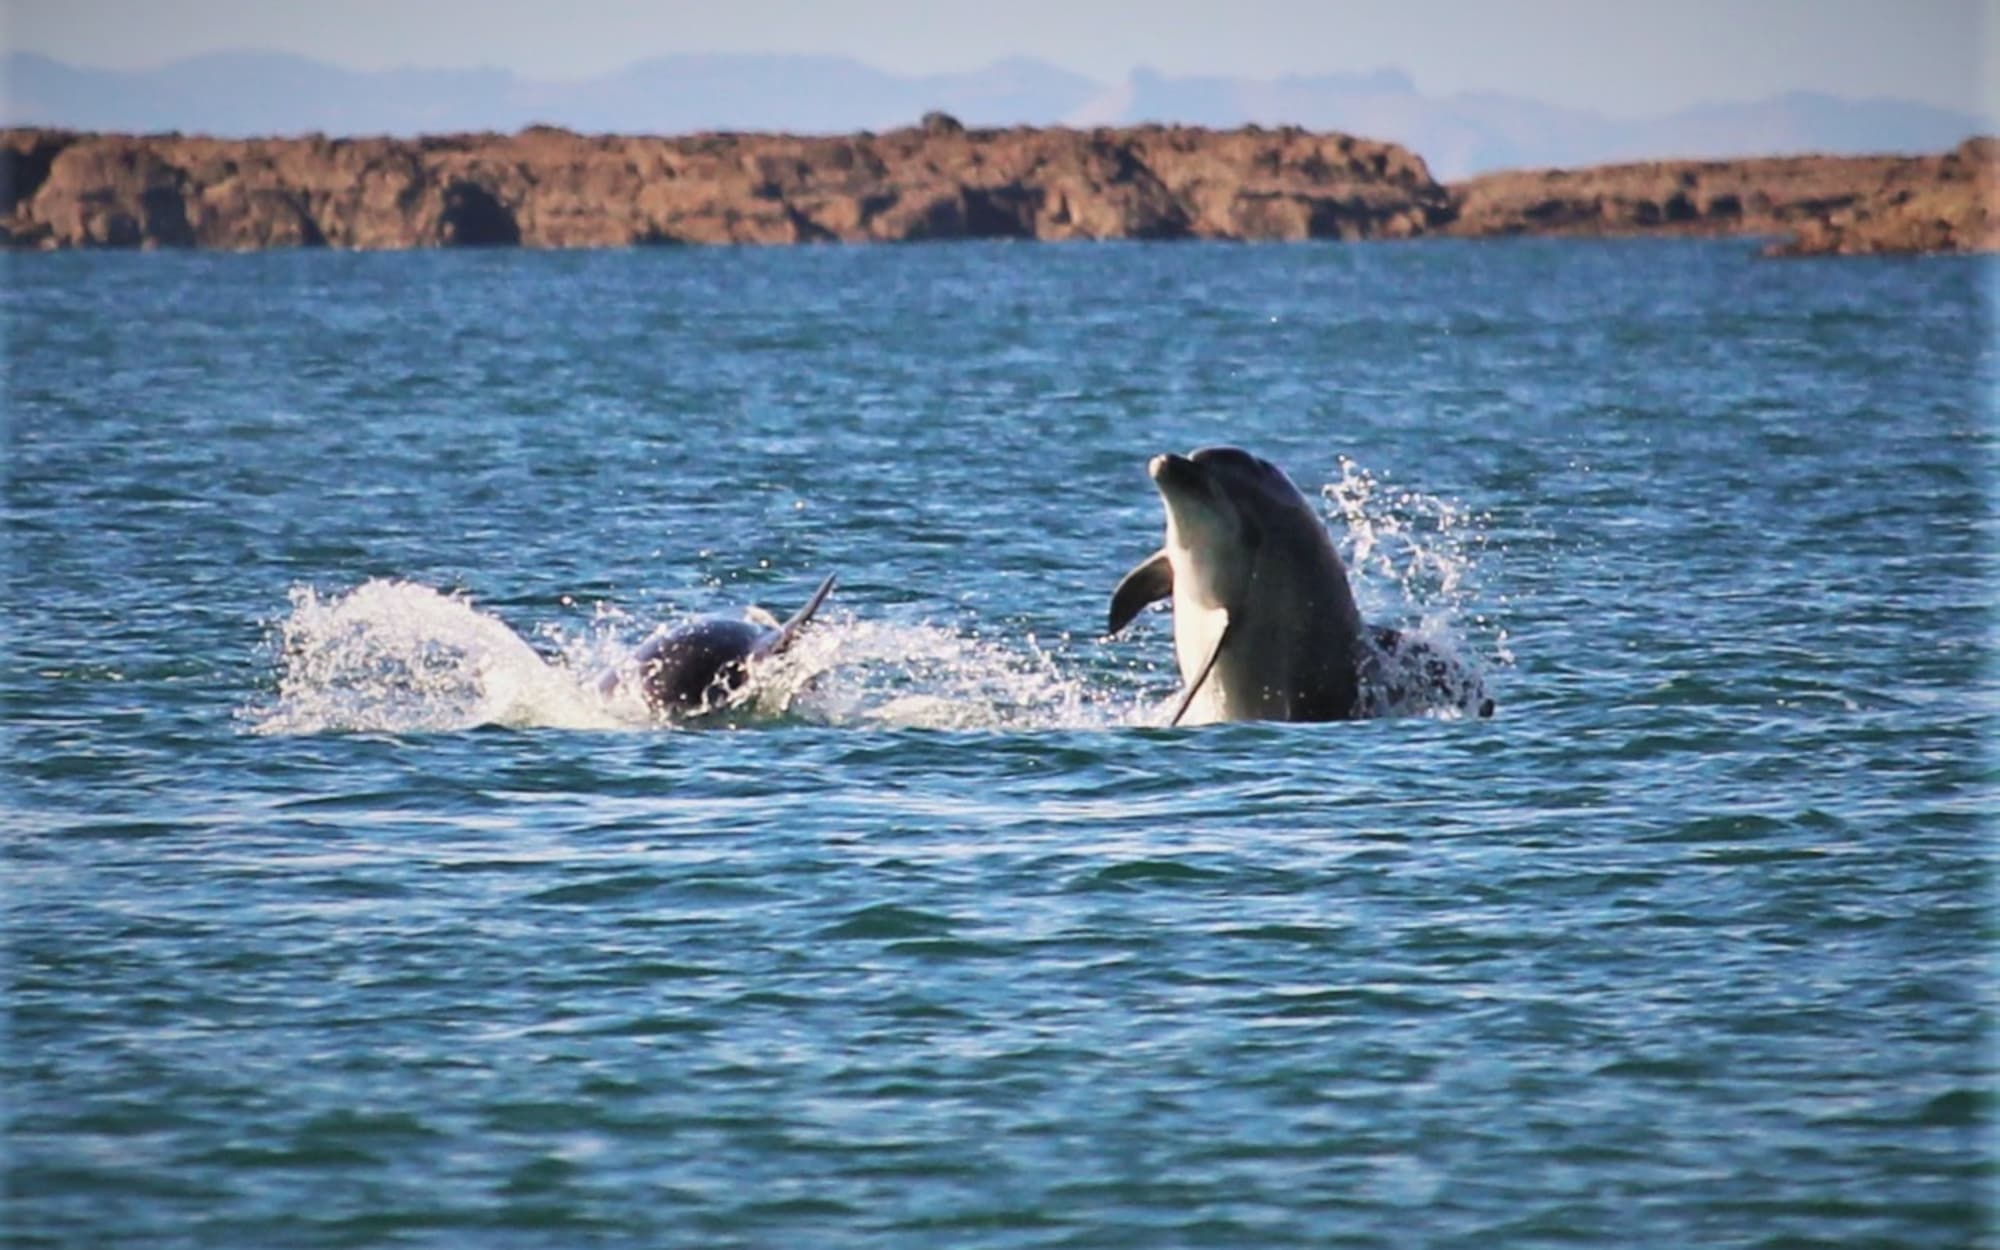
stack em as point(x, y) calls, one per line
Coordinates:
point(1944, 203)
point(1841, 204)
point(552, 188)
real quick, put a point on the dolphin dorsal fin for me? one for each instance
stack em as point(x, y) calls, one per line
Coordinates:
point(1149, 582)
point(790, 629)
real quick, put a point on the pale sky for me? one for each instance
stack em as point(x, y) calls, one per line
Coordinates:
point(1619, 57)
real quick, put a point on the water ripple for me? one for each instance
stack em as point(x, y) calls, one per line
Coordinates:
point(342, 912)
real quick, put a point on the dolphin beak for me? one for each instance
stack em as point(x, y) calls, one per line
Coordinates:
point(1172, 470)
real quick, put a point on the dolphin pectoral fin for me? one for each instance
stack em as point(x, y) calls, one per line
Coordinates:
point(1148, 583)
point(790, 629)
point(1201, 675)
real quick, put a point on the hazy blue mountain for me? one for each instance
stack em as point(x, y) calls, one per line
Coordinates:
point(1472, 132)
point(798, 93)
point(1806, 121)
point(1018, 90)
point(249, 93)
point(245, 93)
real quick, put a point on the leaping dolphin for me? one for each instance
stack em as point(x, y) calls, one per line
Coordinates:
point(1265, 624)
point(699, 666)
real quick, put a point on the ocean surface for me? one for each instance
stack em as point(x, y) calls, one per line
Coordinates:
point(342, 911)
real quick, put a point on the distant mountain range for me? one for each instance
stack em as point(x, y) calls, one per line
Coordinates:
point(267, 93)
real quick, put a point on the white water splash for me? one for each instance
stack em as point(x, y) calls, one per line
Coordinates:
point(393, 656)
point(400, 657)
point(847, 671)
point(1414, 558)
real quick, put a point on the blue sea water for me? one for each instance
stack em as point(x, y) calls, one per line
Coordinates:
point(341, 911)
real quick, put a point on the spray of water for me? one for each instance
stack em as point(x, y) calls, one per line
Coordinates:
point(399, 657)
point(1414, 559)
point(861, 672)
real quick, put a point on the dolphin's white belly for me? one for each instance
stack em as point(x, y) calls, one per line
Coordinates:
point(1197, 629)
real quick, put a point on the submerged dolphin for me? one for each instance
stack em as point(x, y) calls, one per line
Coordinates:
point(699, 666)
point(1265, 625)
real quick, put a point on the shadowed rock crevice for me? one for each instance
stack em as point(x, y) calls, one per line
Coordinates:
point(999, 213)
point(163, 218)
point(472, 217)
point(24, 164)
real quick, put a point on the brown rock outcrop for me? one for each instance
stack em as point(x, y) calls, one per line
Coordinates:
point(1823, 203)
point(1944, 203)
point(546, 187)
point(550, 188)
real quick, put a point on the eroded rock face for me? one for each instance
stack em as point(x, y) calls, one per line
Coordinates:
point(549, 188)
point(546, 187)
point(1944, 203)
point(1823, 203)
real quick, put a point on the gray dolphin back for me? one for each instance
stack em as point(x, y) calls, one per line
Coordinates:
point(700, 666)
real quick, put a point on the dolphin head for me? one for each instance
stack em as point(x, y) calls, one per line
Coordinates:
point(1221, 503)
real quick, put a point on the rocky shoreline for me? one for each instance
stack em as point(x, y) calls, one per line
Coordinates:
point(1808, 205)
point(545, 187)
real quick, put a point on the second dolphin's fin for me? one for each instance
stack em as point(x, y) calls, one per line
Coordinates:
point(790, 629)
